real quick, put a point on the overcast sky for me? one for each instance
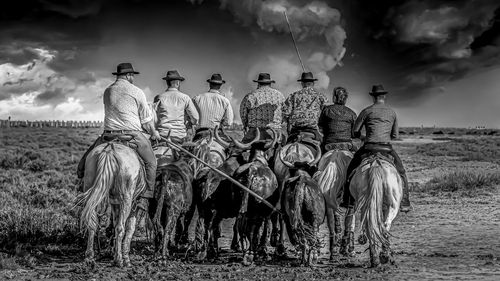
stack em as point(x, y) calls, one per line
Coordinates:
point(438, 59)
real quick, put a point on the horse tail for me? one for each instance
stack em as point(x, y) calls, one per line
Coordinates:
point(107, 168)
point(326, 180)
point(371, 208)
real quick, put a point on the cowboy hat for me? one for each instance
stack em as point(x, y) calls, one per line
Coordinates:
point(173, 75)
point(216, 79)
point(307, 77)
point(124, 68)
point(264, 78)
point(378, 90)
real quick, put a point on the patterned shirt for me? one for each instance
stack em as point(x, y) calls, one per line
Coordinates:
point(262, 108)
point(125, 107)
point(380, 123)
point(337, 122)
point(303, 108)
point(214, 109)
point(173, 110)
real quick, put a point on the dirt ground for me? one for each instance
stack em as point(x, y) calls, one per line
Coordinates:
point(446, 238)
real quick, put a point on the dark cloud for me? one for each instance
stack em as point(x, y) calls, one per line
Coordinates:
point(52, 96)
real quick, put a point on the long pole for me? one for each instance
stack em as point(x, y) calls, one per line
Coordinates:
point(224, 175)
point(294, 43)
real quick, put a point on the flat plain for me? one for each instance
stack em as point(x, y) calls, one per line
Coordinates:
point(453, 233)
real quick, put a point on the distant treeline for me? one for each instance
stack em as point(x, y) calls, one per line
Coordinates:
point(50, 123)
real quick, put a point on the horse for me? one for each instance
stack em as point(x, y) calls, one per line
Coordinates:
point(304, 208)
point(377, 188)
point(331, 177)
point(114, 175)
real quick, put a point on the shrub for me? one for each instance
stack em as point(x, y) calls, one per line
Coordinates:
point(465, 183)
point(478, 149)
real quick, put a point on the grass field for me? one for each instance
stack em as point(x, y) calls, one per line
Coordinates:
point(38, 184)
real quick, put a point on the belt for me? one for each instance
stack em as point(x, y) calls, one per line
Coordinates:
point(119, 131)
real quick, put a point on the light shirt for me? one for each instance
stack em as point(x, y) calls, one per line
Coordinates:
point(173, 110)
point(380, 123)
point(262, 108)
point(214, 109)
point(125, 107)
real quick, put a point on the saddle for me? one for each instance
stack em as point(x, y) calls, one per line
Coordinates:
point(119, 138)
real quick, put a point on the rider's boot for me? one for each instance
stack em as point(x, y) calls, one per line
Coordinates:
point(405, 202)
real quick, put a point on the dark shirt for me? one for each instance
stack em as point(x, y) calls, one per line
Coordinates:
point(380, 123)
point(337, 122)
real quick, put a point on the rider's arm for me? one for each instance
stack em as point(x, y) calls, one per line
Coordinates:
point(395, 128)
point(244, 112)
point(227, 120)
point(358, 125)
point(192, 112)
point(150, 129)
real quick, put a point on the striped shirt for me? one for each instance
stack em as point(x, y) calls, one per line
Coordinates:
point(262, 108)
point(214, 109)
point(173, 110)
point(380, 123)
point(125, 107)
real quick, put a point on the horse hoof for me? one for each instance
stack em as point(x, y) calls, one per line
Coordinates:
point(274, 240)
point(281, 250)
point(128, 263)
point(90, 263)
point(201, 256)
point(362, 239)
point(247, 260)
point(119, 264)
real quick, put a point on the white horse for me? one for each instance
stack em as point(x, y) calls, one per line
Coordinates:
point(331, 177)
point(377, 188)
point(114, 175)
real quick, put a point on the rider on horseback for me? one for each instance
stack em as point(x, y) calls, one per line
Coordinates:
point(126, 112)
point(381, 126)
point(302, 110)
point(337, 123)
point(214, 109)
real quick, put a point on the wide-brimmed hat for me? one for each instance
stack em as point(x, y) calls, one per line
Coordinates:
point(216, 79)
point(264, 78)
point(378, 90)
point(307, 77)
point(173, 75)
point(124, 68)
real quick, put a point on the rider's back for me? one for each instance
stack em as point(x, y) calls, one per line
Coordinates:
point(125, 107)
point(380, 123)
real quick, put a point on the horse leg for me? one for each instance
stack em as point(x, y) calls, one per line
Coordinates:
point(347, 245)
point(374, 255)
point(129, 232)
point(330, 221)
point(386, 253)
point(89, 253)
point(171, 220)
point(121, 212)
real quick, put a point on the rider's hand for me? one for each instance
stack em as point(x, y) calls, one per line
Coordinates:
point(156, 136)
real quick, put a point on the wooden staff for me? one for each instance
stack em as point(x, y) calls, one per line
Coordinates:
point(294, 43)
point(224, 175)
